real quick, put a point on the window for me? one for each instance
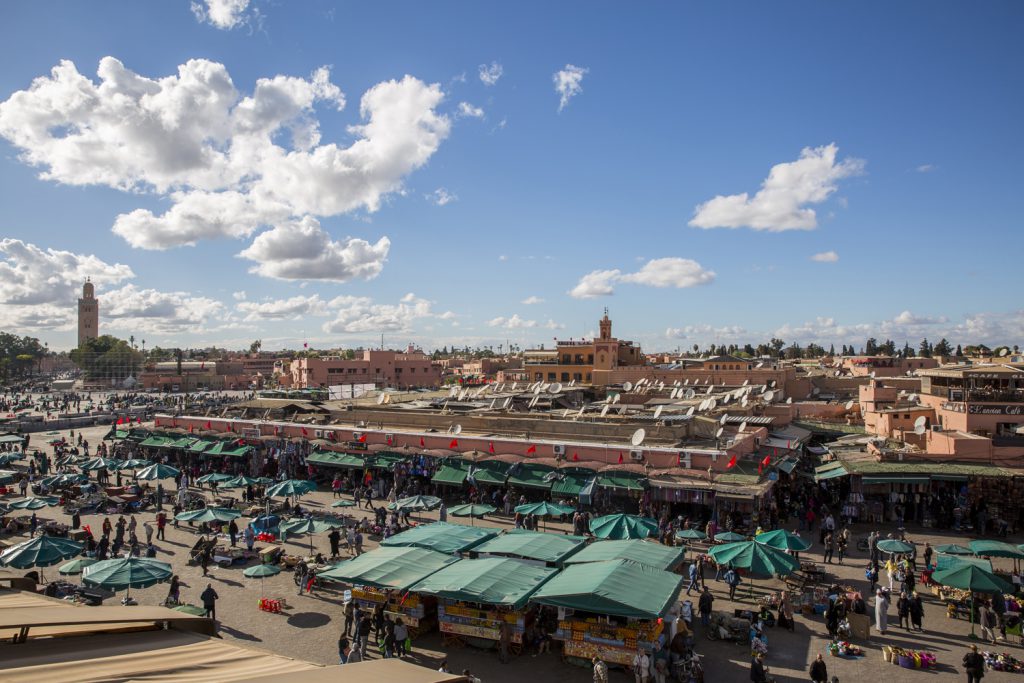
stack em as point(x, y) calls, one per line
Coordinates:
point(588, 376)
point(551, 377)
point(577, 376)
point(590, 358)
point(565, 376)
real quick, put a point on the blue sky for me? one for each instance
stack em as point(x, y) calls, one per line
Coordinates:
point(878, 145)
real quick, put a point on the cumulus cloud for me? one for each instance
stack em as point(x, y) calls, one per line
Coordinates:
point(150, 310)
point(490, 73)
point(531, 300)
point(781, 203)
point(360, 315)
point(468, 110)
point(294, 308)
point(31, 275)
point(660, 272)
point(908, 318)
point(552, 325)
point(704, 331)
point(239, 295)
point(441, 196)
point(512, 323)
point(926, 168)
point(568, 83)
point(826, 257)
point(302, 250)
point(229, 164)
point(222, 14)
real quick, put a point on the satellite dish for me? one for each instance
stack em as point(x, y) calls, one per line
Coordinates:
point(572, 383)
point(768, 396)
point(722, 420)
point(815, 391)
point(744, 401)
point(789, 400)
point(690, 393)
point(622, 410)
point(710, 389)
point(555, 388)
point(772, 384)
point(759, 366)
point(387, 399)
point(661, 386)
point(617, 398)
point(718, 434)
point(657, 412)
point(686, 382)
point(912, 398)
point(1003, 352)
point(672, 394)
point(627, 386)
point(638, 437)
point(725, 399)
point(457, 429)
point(849, 405)
point(493, 401)
point(703, 405)
point(580, 414)
point(514, 385)
point(380, 399)
point(746, 382)
point(608, 398)
point(920, 424)
point(676, 383)
point(536, 389)
point(743, 425)
point(872, 375)
point(712, 404)
point(604, 410)
point(689, 412)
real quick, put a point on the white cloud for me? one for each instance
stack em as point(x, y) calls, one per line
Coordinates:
point(240, 295)
point(660, 272)
point(670, 272)
point(441, 196)
point(283, 309)
point(360, 315)
point(552, 325)
point(228, 164)
point(148, 310)
point(826, 257)
point(595, 283)
point(490, 73)
point(926, 168)
point(531, 300)
point(503, 257)
point(302, 250)
point(705, 331)
point(31, 275)
point(468, 110)
point(513, 323)
point(781, 203)
point(908, 318)
point(568, 83)
point(222, 14)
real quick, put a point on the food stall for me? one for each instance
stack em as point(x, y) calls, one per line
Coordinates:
point(649, 553)
point(441, 536)
point(611, 609)
point(476, 596)
point(535, 546)
point(384, 577)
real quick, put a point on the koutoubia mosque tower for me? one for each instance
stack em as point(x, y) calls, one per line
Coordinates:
point(88, 315)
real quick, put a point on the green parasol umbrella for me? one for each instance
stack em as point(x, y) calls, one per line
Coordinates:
point(135, 463)
point(261, 571)
point(291, 487)
point(128, 572)
point(971, 577)
point(691, 535)
point(620, 526)
point(309, 526)
point(190, 609)
point(241, 481)
point(895, 545)
point(544, 509)
point(471, 510)
point(101, 464)
point(33, 503)
point(343, 504)
point(729, 537)
point(264, 481)
point(989, 548)
point(58, 480)
point(756, 558)
point(213, 477)
point(953, 549)
point(8, 458)
point(76, 566)
point(158, 471)
point(208, 515)
point(415, 503)
point(41, 551)
point(780, 539)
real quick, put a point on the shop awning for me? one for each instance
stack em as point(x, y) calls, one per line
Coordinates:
point(645, 552)
point(334, 459)
point(531, 476)
point(230, 448)
point(867, 481)
point(389, 568)
point(449, 476)
point(618, 588)
point(787, 465)
point(627, 481)
point(442, 537)
point(488, 581)
point(944, 561)
point(200, 446)
point(571, 483)
point(11, 438)
point(490, 472)
point(154, 442)
point(385, 461)
point(950, 477)
point(532, 545)
point(830, 471)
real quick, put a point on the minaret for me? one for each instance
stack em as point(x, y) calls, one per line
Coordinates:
point(606, 326)
point(88, 314)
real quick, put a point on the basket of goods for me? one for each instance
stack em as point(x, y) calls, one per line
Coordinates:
point(1003, 661)
point(913, 659)
point(843, 648)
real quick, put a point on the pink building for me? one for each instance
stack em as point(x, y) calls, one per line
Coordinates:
point(886, 366)
point(408, 370)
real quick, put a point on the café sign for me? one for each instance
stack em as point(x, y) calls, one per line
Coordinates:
point(991, 409)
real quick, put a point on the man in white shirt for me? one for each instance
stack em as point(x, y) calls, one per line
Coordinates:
point(642, 667)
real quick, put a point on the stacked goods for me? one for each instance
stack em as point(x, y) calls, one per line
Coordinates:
point(410, 607)
point(616, 643)
point(909, 659)
point(1003, 662)
point(463, 619)
point(842, 648)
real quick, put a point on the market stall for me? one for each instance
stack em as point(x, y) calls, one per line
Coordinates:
point(441, 536)
point(481, 598)
point(610, 608)
point(384, 577)
point(645, 552)
point(536, 546)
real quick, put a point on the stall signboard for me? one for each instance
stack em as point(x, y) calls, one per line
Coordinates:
point(470, 630)
point(476, 623)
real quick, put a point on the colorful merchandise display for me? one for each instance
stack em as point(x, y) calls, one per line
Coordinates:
point(418, 612)
point(616, 643)
point(474, 621)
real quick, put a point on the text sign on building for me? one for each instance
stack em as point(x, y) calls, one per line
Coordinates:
point(1006, 409)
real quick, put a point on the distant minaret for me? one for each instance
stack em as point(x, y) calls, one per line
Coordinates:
point(605, 325)
point(88, 314)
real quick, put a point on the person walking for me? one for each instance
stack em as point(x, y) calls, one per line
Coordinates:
point(842, 542)
point(987, 620)
point(903, 610)
point(881, 611)
point(916, 611)
point(600, 670)
point(732, 578)
point(149, 532)
point(974, 665)
point(204, 560)
point(704, 607)
point(233, 532)
point(363, 634)
point(694, 581)
point(209, 598)
point(349, 614)
point(819, 670)
point(830, 545)
point(250, 537)
point(642, 666)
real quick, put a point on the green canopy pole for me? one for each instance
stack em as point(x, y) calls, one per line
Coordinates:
point(971, 617)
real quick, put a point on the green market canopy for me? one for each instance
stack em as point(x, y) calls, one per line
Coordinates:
point(490, 472)
point(396, 568)
point(532, 545)
point(228, 448)
point(291, 487)
point(416, 503)
point(442, 537)
point(158, 471)
point(691, 535)
point(624, 481)
point(544, 509)
point(208, 515)
point(334, 459)
point(530, 476)
point(618, 588)
point(488, 581)
point(571, 480)
point(895, 545)
point(41, 551)
point(130, 572)
point(200, 445)
point(471, 510)
point(451, 474)
point(620, 526)
point(758, 559)
point(780, 539)
point(643, 552)
point(989, 548)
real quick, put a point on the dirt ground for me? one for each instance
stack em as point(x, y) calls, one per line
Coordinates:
point(309, 629)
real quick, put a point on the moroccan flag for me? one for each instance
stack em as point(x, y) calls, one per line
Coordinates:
point(731, 463)
point(490, 446)
point(138, 420)
point(120, 420)
point(156, 423)
point(422, 444)
point(620, 457)
point(208, 425)
point(191, 428)
point(576, 457)
point(304, 432)
point(388, 439)
point(231, 426)
point(454, 443)
point(330, 435)
point(240, 442)
point(277, 430)
point(767, 460)
point(531, 449)
point(362, 438)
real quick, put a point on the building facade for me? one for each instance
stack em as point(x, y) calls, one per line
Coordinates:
point(411, 369)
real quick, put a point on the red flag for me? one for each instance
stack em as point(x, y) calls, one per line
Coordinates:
point(732, 462)
point(490, 446)
point(277, 430)
point(191, 428)
point(304, 432)
point(239, 442)
point(422, 444)
point(208, 425)
point(231, 426)
point(362, 438)
point(576, 457)
point(388, 438)
point(620, 457)
point(531, 449)
point(120, 420)
point(156, 422)
point(454, 443)
point(138, 420)
point(330, 435)
point(767, 460)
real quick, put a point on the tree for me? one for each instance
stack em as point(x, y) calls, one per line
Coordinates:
point(871, 347)
point(832, 350)
point(925, 350)
point(888, 348)
point(777, 346)
point(793, 351)
point(107, 358)
point(959, 351)
point(255, 347)
point(943, 348)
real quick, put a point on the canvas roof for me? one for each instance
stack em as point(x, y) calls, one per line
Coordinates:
point(532, 545)
point(617, 588)
point(643, 552)
point(442, 537)
point(389, 567)
point(488, 580)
